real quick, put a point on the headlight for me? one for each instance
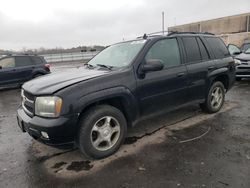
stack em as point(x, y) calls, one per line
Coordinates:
point(48, 106)
point(237, 62)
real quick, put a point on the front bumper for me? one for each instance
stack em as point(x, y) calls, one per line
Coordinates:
point(60, 131)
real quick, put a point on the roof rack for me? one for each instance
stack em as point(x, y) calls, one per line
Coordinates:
point(179, 32)
point(169, 33)
point(154, 34)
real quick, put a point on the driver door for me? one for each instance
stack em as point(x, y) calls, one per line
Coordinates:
point(167, 88)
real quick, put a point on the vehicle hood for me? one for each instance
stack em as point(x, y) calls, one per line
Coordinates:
point(53, 82)
point(243, 57)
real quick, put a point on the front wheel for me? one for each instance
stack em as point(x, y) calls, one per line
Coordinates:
point(102, 131)
point(215, 98)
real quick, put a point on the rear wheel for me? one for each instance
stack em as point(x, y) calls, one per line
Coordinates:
point(215, 98)
point(102, 131)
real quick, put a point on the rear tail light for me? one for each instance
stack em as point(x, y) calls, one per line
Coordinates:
point(47, 66)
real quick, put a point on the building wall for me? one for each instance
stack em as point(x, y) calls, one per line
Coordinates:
point(232, 29)
point(236, 38)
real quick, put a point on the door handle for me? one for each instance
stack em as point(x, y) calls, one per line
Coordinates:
point(180, 74)
point(211, 68)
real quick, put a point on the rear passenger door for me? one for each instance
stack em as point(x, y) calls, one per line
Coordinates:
point(199, 63)
point(24, 68)
point(162, 90)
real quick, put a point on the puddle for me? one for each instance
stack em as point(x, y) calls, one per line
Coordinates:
point(58, 165)
point(78, 166)
point(130, 140)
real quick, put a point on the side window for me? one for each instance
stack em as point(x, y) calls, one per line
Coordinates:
point(167, 51)
point(192, 49)
point(37, 60)
point(7, 62)
point(218, 46)
point(203, 50)
point(23, 61)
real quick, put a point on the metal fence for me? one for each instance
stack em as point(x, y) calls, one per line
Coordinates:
point(67, 57)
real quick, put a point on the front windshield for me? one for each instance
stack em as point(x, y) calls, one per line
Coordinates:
point(245, 47)
point(118, 55)
point(233, 49)
point(247, 51)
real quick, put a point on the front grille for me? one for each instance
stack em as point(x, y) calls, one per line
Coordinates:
point(243, 73)
point(244, 67)
point(28, 95)
point(28, 102)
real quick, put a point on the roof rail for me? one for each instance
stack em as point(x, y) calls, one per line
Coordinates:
point(158, 33)
point(169, 33)
point(180, 32)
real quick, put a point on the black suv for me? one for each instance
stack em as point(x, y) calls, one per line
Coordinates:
point(92, 106)
point(17, 69)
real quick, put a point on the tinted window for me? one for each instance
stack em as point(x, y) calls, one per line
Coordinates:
point(37, 60)
point(219, 48)
point(23, 61)
point(203, 50)
point(192, 49)
point(167, 51)
point(7, 62)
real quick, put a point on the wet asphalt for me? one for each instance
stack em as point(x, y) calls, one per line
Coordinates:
point(211, 151)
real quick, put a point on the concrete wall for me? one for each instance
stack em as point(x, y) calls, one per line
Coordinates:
point(232, 29)
point(236, 38)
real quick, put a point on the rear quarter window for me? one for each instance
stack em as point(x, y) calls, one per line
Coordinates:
point(218, 47)
point(37, 60)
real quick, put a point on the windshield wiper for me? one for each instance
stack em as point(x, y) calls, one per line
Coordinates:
point(89, 66)
point(105, 66)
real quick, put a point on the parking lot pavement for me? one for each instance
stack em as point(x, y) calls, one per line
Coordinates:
point(184, 148)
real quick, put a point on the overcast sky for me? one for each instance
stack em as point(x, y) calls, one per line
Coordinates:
point(64, 23)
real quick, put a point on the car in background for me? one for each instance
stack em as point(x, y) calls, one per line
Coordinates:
point(17, 69)
point(245, 46)
point(242, 60)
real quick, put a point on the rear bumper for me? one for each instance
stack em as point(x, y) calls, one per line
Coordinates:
point(60, 131)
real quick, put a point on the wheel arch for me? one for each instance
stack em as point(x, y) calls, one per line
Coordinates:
point(219, 75)
point(120, 98)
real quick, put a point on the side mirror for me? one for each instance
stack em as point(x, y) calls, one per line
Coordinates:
point(152, 65)
point(1, 67)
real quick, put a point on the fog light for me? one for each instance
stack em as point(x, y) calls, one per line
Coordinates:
point(45, 135)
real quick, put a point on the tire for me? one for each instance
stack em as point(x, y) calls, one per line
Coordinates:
point(97, 138)
point(215, 98)
point(238, 79)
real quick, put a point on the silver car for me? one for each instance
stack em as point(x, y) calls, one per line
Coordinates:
point(242, 60)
